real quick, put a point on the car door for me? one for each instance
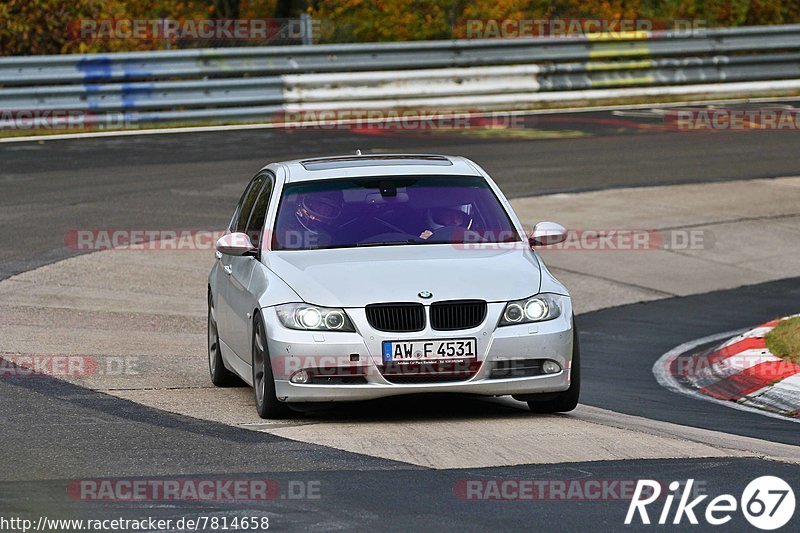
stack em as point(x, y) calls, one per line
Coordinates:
point(241, 299)
point(226, 278)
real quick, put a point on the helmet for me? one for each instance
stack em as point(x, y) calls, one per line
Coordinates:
point(441, 217)
point(317, 211)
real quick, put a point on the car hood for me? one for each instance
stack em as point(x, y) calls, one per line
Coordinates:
point(361, 276)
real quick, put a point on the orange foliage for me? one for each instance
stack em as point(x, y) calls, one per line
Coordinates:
point(44, 26)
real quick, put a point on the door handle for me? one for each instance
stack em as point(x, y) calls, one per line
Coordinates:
point(228, 270)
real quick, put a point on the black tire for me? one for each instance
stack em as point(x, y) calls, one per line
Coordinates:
point(220, 376)
point(267, 404)
point(566, 401)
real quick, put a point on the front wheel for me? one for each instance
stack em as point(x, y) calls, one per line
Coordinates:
point(267, 403)
point(566, 401)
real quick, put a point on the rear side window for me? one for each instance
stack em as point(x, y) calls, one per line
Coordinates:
point(247, 202)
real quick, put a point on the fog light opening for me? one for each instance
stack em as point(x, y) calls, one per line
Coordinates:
point(300, 377)
point(551, 367)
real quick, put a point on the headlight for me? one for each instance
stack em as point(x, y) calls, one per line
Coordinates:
point(314, 318)
point(534, 309)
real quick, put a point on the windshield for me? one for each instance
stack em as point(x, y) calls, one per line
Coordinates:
point(385, 211)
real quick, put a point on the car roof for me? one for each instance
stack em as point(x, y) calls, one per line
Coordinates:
point(345, 166)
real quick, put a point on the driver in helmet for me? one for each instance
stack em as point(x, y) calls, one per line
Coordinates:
point(319, 211)
point(439, 218)
point(315, 218)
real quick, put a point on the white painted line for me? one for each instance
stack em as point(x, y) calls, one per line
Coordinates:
point(666, 380)
point(272, 125)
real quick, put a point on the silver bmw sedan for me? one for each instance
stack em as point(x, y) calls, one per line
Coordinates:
point(358, 277)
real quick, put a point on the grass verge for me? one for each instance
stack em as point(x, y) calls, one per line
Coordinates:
point(784, 340)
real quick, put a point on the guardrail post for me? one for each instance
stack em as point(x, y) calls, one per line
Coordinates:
point(305, 24)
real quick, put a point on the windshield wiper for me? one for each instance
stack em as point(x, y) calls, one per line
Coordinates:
point(386, 243)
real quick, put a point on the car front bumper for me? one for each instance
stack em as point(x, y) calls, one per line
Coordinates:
point(293, 350)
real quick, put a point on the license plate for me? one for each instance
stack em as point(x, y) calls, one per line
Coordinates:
point(422, 351)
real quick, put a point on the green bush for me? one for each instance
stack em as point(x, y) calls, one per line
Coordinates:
point(784, 340)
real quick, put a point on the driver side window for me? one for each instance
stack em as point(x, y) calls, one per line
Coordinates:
point(246, 204)
point(255, 224)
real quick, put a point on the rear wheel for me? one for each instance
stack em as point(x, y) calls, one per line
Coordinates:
point(220, 376)
point(565, 401)
point(267, 403)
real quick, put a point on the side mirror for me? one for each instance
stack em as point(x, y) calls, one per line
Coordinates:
point(235, 244)
point(547, 233)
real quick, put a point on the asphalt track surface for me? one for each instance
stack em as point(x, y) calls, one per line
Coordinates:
point(58, 432)
point(53, 431)
point(622, 344)
point(192, 180)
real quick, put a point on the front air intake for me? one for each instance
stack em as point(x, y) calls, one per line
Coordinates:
point(457, 314)
point(396, 318)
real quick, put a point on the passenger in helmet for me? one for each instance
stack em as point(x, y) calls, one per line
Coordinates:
point(438, 218)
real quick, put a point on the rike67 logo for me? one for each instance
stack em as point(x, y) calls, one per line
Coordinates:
point(767, 502)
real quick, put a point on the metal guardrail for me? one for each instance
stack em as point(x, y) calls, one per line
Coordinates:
point(227, 84)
